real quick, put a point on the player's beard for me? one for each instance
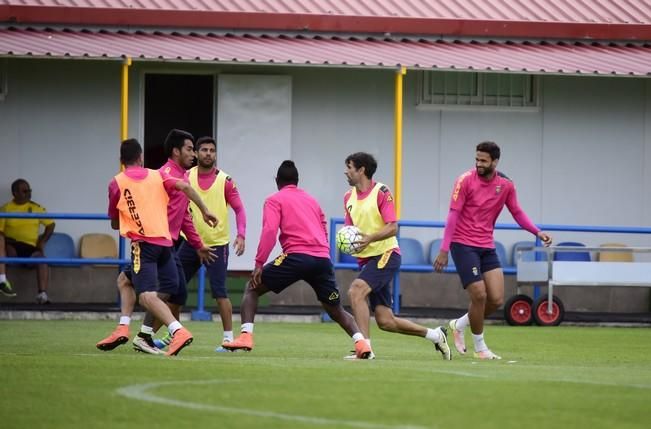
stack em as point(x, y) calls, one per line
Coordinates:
point(485, 171)
point(350, 180)
point(205, 163)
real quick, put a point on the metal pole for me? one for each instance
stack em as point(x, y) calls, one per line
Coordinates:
point(200, 313)
point(124, 100)
point(124, 130)
point(397, 190)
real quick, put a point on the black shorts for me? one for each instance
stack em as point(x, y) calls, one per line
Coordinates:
point(216, 270)
point(127, 272)
point(472, 262)
point(170, 282)
point(378, 272)
point(23, 250)
point(153, 269)
point(181, 295)
point(319, 273)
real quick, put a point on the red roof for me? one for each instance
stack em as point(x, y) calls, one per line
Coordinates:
point(594, 19)
point(523, 57)
point(604, 11)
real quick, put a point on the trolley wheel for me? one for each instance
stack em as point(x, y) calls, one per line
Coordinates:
point(541, 316)
point(518, 310)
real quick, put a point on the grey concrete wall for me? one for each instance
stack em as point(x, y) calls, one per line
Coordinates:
point(420, 290)
point(78, 285)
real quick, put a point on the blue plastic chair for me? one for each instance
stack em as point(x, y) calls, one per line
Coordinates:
point(501, 254)
point(434, 248)
point(60, 245)
point(527, 256)
point(345, 258)
point(411, 251)
point(572, 256)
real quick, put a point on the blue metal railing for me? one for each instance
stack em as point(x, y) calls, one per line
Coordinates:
point(501, 226)
point(198, 314)
point(121, 261)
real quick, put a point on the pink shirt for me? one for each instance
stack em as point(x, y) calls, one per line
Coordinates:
point(178, 214)
point(301, 222)
point(474, 207)
point(231, 195)
point(137, 173)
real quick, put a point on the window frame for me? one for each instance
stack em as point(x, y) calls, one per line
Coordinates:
point(477, 98)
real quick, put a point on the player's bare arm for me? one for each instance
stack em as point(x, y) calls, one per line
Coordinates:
point(208, 217)
point(389, 230)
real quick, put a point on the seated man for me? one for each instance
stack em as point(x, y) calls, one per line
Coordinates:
point(20, 237)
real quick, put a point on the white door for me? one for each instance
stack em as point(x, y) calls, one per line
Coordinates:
point(253, 138)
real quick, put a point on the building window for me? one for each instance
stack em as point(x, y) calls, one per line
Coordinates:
point(467, 89)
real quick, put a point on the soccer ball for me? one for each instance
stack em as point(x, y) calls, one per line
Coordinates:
point(347, 238)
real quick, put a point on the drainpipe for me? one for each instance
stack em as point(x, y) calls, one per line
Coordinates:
point(124, 100)
point(124, 127)
point(397, 189)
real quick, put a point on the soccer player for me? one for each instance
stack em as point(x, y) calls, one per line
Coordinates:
point(20, 237)
point(218, 191)
point(179, 148)
point(369, 206)
point(478, 197)
point(306, 256)
point(141, 201)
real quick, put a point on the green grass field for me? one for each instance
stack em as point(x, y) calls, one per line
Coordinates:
point(570, 377)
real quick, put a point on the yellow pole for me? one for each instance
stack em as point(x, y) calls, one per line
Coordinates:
point(397, 190)
point(124, 101)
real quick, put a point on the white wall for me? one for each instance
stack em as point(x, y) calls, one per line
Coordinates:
point(59, 129)
point(582, 159)
point(249, 154)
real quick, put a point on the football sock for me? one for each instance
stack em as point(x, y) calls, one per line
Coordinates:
point(147, 330)
point(462, 322)
point(480, 345)
point(174, 326)
point(357, 336)
point(434, 335)
point(3, 278)
point(228, 336)
point(125, 320)
point(247, 327)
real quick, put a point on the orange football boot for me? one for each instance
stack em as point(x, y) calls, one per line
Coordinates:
point(118, 337)
point(243, 342)
point(363, 349)
point(181, 338)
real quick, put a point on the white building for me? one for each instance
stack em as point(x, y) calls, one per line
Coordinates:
point(561, 86)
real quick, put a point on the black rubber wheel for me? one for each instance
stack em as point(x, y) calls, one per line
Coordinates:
point(518, 310)
point(541, 316)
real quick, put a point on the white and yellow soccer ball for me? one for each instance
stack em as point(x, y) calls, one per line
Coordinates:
point(347, 238)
